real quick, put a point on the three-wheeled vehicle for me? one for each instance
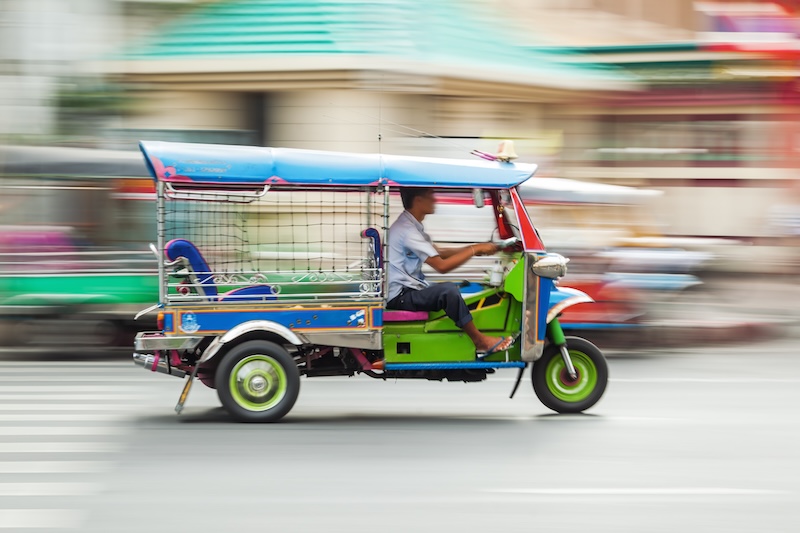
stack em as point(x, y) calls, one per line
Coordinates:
point(272, 267)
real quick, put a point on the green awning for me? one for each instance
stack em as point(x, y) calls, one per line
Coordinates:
point(409, 32)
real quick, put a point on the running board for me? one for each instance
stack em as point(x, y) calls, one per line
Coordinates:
point(454, 366)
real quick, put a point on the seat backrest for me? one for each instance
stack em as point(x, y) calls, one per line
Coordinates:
point(201, 272)
point(377, 250)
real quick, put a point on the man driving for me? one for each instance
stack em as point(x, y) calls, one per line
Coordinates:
point(409, 248)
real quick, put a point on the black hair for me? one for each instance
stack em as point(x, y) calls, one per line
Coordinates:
point(409, 193)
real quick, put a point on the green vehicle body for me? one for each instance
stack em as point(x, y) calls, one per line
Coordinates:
point(129, 290)
point(495, 311)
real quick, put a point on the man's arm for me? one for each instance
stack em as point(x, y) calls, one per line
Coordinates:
point(446, 253)
point(458, 256)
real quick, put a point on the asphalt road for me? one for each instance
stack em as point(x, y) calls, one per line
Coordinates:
point(690, 440)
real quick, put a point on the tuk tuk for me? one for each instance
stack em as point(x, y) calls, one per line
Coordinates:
point(272, 267)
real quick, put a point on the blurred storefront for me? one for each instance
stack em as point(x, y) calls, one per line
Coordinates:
point(341, 75)
point(45, 50)
point(697, 99)
point(715, 129)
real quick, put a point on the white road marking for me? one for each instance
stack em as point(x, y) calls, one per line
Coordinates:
point(59, 447)
point(68, 364)
point(58, 430)
point(54, 417)
point(53, 467)
point(66, 407)
point(70, 396)
point(644, 491)
point(67, 388)
point(49, 489)
point(41, 518)
point(36, 378)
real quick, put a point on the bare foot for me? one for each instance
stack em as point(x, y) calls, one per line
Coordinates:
point(494, 344)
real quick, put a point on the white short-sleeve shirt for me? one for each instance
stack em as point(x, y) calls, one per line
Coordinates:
point(409, 248)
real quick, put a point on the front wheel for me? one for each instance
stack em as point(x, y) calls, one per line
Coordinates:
point(257, 381)
point(553, 385)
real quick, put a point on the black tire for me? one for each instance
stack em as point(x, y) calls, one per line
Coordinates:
point(551, 382)
point(267, 385)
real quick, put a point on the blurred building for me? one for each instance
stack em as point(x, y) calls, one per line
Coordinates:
point(698, 99)
point(46, 47)
point(716, 127)
point(337, 75)
point(579, 23)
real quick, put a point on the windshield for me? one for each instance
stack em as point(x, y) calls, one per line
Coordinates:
point(457, 222)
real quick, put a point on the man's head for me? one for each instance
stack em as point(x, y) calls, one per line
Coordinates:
point(418, 200)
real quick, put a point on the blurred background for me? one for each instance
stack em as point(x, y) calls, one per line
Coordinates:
point(668, 144)
point(676, 122)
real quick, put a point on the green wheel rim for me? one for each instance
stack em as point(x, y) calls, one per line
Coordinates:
point(258, 382)
point(557, 379)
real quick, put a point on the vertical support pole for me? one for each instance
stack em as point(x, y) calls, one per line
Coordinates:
point(368, 191)
point(368, 220)
point(385, 243)
point(160, 232)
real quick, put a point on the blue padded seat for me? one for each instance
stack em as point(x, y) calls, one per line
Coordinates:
point(377, 251)
point(181, 248)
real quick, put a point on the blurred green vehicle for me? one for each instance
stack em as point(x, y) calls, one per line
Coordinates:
point(74, 264)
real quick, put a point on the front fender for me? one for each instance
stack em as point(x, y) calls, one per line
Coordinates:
point(563, 297)
point(247, 327)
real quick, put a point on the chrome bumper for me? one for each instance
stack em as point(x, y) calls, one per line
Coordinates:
point(147, 341)
point(156, 363)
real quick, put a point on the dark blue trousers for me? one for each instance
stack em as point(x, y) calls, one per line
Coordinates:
point(437, 297)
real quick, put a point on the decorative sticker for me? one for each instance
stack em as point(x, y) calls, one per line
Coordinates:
point(189, 323)
point(357, 318)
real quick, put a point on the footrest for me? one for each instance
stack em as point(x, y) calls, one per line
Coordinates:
point(454, 366)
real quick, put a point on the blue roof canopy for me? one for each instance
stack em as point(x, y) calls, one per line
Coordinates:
point(225, 164)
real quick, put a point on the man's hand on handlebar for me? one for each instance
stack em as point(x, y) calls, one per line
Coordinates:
point(505, 243)
point(491, 248)
point(485, 248)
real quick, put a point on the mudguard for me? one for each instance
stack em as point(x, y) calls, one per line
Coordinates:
point(247, 327)
point(563, 297)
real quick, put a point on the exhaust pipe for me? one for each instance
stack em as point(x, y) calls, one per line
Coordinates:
point(155, 363)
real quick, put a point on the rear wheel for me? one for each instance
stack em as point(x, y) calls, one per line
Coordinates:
point(257, 381)
point(554, 386)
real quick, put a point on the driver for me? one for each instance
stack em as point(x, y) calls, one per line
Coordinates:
point(409, 248)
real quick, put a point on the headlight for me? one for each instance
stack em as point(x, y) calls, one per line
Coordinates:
point(551, 266)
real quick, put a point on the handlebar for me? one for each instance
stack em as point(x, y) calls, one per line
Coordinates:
point(505, 243)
